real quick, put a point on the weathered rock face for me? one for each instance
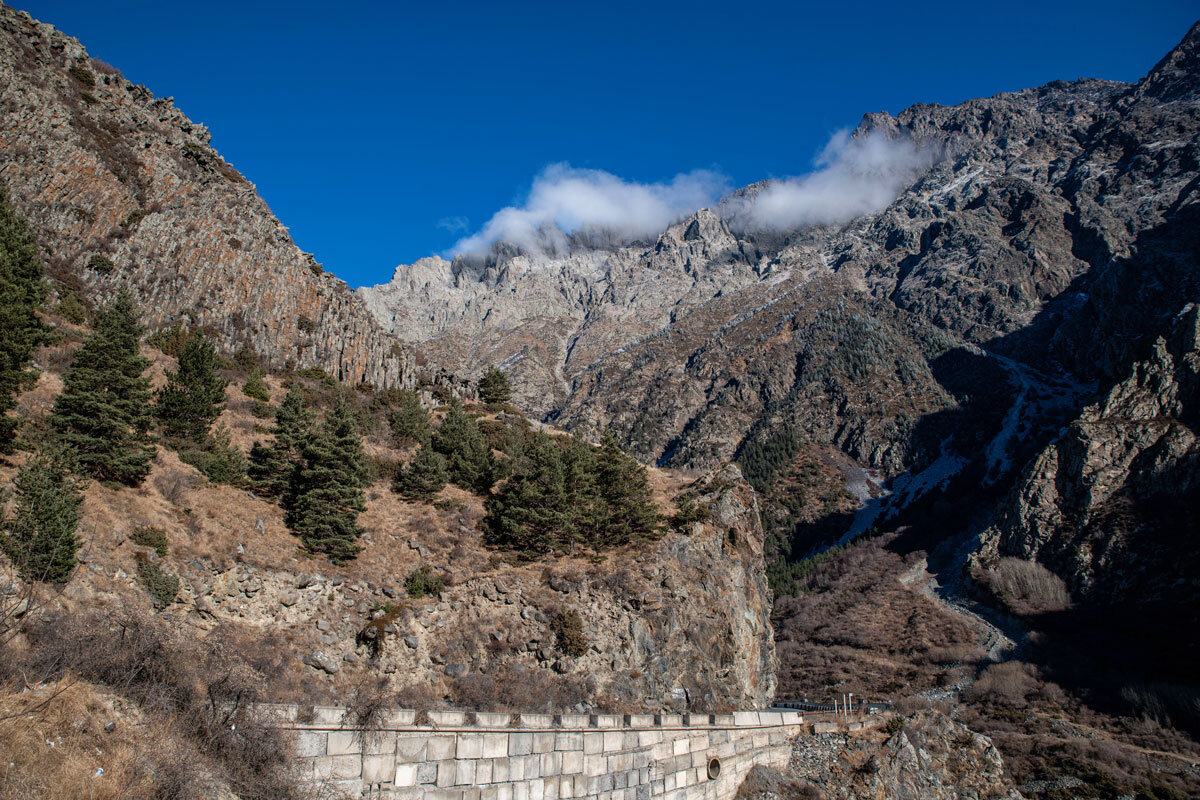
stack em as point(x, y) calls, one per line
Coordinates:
point(1109, 505)
point(933, 758)
point(1053, 213)
point(123, 189)
point(682, 624)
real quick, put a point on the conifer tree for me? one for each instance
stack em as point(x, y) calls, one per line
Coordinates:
point(103, 413)
point(22, 290)
point(494, 388)
point(255, 388)
point(626, 503)
point(410, 422)
point(40, 537)
point(579, 478)
point(531, 509)
point(327, 492)
point(194, 395)
point(423, 477)
point(467, 453)
point(272, 465)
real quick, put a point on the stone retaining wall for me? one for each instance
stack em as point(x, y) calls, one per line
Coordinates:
point(464, 756)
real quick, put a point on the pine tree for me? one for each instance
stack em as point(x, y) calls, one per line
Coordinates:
point(410, 422)
point(423, 478)
point(255, 388)
point(103, 413)
point(22, 290)
point(626, 504)
point(493, 387)
point(467, 453)
point(579, 477)
point(40, 536)
point(272, 466)
point(194, 395)
point(531, 510)
point(327, 491)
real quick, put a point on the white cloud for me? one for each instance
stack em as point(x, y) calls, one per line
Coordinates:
point(854, 176)
point(454, 224)
point(564, 200)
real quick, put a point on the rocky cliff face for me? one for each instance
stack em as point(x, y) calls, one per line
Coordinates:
point(1106, 504)
point(961, 317)
point(124, 189)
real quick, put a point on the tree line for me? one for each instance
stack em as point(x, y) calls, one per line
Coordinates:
point(542, 494)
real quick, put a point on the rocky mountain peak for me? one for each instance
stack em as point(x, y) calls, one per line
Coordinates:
point(1177, 77)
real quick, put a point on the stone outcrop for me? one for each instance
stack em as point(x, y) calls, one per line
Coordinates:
point(931, 758)
point(123, 189)
point(1105, 504)
point(681, 624)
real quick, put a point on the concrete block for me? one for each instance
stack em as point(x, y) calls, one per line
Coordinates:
point(770, 717)
point(594, 765)
point(745, 718)
point(405, 775)
point(613, 741)
point(378, 768)
point(495, 745)
point(698, 743)
point(379, 743)
point(341, 743)
point(793, 718)
point(573, 720)
point(581, 783)
point(650, 738)
point(606, 720)
point(537, 789)
point(520, 791)
point(427, 774)
point(516, 768)
point(483, 771)
point(543, 741)
point(447, 773)
point(489, 792)
point(487, 719)
point(444, 719)
point(337, 767)
point(572, 762)
point(328, 715)
point(629, 739)
point(670, 720)
point(639, 720)
point(400, 718)
point(679, 747)
point(568, 741)
point(439, 748)
point(824, 727)
point(566, 787)
point(537, 721)
point(593, 743)
point(520, 744)
point(504, 792)
point(533, 766)
point(310, 743)
point(723, 720)
point(465, 773)
point(410, 748)
point(469, 745)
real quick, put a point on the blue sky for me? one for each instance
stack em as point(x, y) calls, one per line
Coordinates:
point(383, 132)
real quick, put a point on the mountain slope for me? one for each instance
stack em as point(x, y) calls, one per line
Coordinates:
point(123, 188)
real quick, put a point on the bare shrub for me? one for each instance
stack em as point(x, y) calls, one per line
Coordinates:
point(199, 690)
point(1027, 587)
point(521, 688)
point(1010, 684)
point(174, 485)
point(367, 708)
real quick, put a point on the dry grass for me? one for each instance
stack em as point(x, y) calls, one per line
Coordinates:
point(1026, 587)
point(56, 747)
point(856, 628)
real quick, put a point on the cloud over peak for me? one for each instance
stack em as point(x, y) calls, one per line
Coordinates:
point(564, 200)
